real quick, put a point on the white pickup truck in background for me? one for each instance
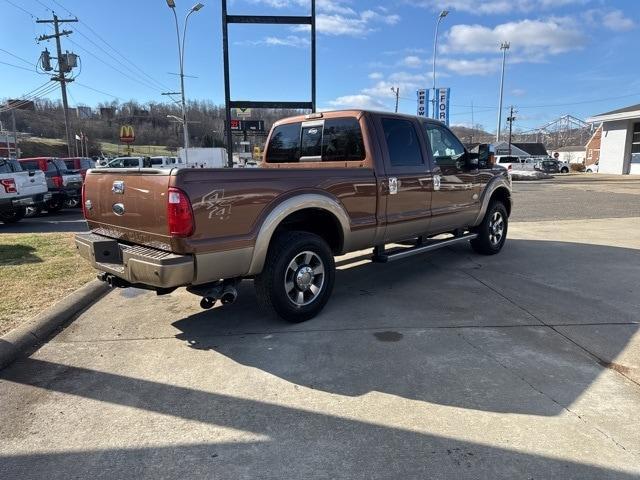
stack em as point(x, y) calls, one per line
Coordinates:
point(20, 189)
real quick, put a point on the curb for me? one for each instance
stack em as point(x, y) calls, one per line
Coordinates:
point(38, 329)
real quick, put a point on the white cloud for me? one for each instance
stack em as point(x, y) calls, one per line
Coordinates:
point(288, 41)
point(616, 21)
point(375, 76)
point(336, 17)
point(518, 92)
point(363, 101)
point(532, 40)
point(476, 66)
point(412, 61)
point(495, 6)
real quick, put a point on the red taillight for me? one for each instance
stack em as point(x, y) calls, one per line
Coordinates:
point(57, 181)
point(9, 185)
point(179, 213)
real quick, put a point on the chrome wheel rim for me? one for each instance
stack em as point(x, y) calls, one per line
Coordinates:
point(496, 228)
point(304, 278)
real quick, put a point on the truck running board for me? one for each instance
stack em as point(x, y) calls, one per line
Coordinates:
point(385, 256)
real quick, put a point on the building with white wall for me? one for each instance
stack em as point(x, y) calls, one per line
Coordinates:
point(620, 140)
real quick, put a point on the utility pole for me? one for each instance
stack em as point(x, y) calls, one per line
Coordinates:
point(63, 67)
point(511, 119)
point(504, 46)
point(396, 91)
point(443, 14)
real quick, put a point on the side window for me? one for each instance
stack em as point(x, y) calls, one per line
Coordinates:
point(86, 163)
point(131, 163)
point(342, 140)
point(284, 146)
point(51, 166)
point(156, 161)
point(402, 142)
point(445, 147)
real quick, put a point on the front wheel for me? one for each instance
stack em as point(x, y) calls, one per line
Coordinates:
point(564, 170)
point(492, 232)
point(298, 275)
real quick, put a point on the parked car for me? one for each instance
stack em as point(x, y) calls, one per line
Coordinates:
point(593, 168)
point(129, 162)
point(330, 183)
point(511, 162)
point(81, 164)
point(564, 167)
point(64, 185)
point(548, 166)
point(166, 162)
point(20, 190)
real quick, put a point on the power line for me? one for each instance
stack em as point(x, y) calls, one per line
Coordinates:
point(20, 8)
point(18, 66)
point(16, 56)
point(159, 86)
point(97, 91)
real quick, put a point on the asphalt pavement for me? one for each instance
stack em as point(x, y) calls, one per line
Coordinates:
point(66, 220)
point(447, 365)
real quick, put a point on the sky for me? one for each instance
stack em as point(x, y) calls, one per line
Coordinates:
point(577, 57)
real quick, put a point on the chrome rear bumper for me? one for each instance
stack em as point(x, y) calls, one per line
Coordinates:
point(136, 264)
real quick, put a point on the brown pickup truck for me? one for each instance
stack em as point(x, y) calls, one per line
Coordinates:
point(330, 183)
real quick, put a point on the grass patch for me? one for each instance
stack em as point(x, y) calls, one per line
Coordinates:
point(37, 270)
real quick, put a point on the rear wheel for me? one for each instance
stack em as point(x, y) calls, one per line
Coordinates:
point(12, 216)
point(54, 206)
point(33, 211)
point(492, 232)
point(298, 276)
point(564, 170)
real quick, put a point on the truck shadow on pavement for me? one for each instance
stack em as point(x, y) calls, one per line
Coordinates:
point(296, 443)
point(452, 328)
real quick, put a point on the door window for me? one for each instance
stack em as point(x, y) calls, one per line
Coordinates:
point(402, 142)
point(445, 147)
point(131, 163)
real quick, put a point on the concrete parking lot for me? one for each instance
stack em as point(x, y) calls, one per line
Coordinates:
point(525, 365)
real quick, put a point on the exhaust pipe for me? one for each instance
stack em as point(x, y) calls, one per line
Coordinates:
point(229, 295)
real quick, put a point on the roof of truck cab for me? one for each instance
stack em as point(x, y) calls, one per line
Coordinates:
point(348, 113)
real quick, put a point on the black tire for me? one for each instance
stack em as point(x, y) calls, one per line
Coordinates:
point(564, 170)
point(487, 242)
point(12, 216)
point(271, 284)
point(54, 206)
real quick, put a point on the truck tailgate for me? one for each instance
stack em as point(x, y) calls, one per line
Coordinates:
point(129, 204)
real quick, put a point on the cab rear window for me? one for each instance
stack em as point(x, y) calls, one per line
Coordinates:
point(335, 139)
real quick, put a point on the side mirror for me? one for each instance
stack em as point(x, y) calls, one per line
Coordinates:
point(472, 160)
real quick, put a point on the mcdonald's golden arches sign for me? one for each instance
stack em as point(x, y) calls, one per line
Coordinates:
point(127, 135)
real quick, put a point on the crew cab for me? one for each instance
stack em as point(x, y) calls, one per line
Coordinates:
point(64, 185)
point(80, 164)
point(330, 183)
point(19, 190)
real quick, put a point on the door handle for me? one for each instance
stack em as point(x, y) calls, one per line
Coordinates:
point(394, 183)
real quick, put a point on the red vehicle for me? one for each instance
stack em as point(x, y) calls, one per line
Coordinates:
point(82, 164)
point(64, 185)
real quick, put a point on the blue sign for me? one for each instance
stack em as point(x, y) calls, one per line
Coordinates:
point(442, 105)
point(423, 102)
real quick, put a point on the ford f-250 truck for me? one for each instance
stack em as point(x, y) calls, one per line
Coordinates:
point(330, 183)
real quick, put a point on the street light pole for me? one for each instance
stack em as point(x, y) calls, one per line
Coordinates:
point(181, 45)
point(443, 14)
point(504, 46)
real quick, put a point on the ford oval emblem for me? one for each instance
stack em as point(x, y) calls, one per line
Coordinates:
point(118, 209)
